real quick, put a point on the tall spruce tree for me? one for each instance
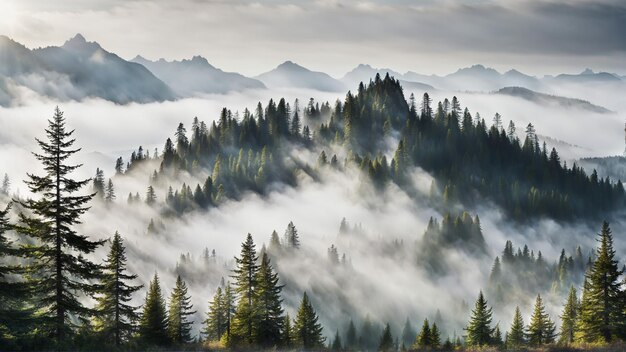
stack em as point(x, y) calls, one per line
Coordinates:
point(58, 272)
point(287, 333)
point(153, 323)
point(602, 316)
point(98, 183)
point(516, 337)
point(386, 340)
point(336, 345)
point(307, 331)
point(178, 323)
point(245, 275)
point(268, 306)
point(116, 318)
point(479, 330)
point(541, 328)
point(215, 324)
point(569, 318)
point(351, 337)
point(292, 240)
point(424, 337)
point(109, 192)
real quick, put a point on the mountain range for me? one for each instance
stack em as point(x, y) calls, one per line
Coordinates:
point(80, 69)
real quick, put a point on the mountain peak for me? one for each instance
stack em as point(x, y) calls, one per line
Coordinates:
point(587, 71)
point(79, 43)
point(289, 65)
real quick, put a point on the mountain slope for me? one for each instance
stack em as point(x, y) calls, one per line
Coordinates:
point(194, 76)
point(79, 70)
point(289, 74)
point(546, 99)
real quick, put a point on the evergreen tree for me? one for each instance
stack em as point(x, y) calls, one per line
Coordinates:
point(117, 318)
point(287, 337)
point(119, 166)
point(351, 338)
point(408, 334)
point(245, 275)
point(109, 192)
point(292, 240)
point(13, 315)
point(268, 305)
point(307, 330)
point(58, 271)
point(153, 328)
point(98, 183)
point(6, 185)
point(435, 336)
point(336, 346)
point(215, 324)
point(424, 339)
point(150, 196)
point(602, 315)
point(479, 330)
point(541, 328)
point(386, 340)
point(569, 318)
point(516, 337)
point(179, 325)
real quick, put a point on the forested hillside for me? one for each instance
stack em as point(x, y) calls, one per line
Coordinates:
point(63, 289)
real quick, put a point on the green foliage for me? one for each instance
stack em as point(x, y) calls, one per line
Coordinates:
point(516, 337)
point(602, 314)
point(58, 272)
point(268, 307)
point(569, 317)
point(307, 331)
point(153, 328)
point(541, 328)
point(179, 325)
point(386, 340)
point(116, 318)
point(479, 330)
point(245, 320)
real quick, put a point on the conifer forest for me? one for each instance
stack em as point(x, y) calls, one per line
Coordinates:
point(165, 205)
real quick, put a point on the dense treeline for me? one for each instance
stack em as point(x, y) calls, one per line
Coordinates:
point(470, 160)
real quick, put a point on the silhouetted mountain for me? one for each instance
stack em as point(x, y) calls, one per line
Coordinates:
point(78, 70)
point(191, 77)
point(289, 74)
point(546, 99)
point(588, 76)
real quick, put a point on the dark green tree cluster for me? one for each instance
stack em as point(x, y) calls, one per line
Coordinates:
point(250, 314)
point(522, 270)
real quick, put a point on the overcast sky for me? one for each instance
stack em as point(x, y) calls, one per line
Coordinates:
point(538, 37)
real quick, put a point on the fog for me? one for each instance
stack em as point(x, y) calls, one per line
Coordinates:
point(387, 287)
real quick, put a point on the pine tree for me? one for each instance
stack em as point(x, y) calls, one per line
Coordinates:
point(541, 328)
point(292, 240)
point(424, 337)
point(98, 183)
point(287, 333)
point(336, 346)
point(116, 318)
point(569, 318)
point(215, 324)
point(479, 330)
point(179, 325)
point(386, 340)
point(245, 275)
point(109, 192)
point(307, 330)
point(59, 273)
point(351, 338)
point(435, 336)
point(14, 318)
point(516, 337)
point(601, 310)
point(408, 334)
point(6, 185)
point(268, 305)
point(150, 196)
point(119, 166)
point(153, 323)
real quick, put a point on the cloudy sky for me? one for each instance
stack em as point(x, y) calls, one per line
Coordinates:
point(536, 36)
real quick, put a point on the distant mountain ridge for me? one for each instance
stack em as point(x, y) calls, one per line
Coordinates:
point(545, 99)
point(196, 76)
point(77, 70)
point(290, 74)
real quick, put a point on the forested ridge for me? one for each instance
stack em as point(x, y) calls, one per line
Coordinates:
point(55, 296)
